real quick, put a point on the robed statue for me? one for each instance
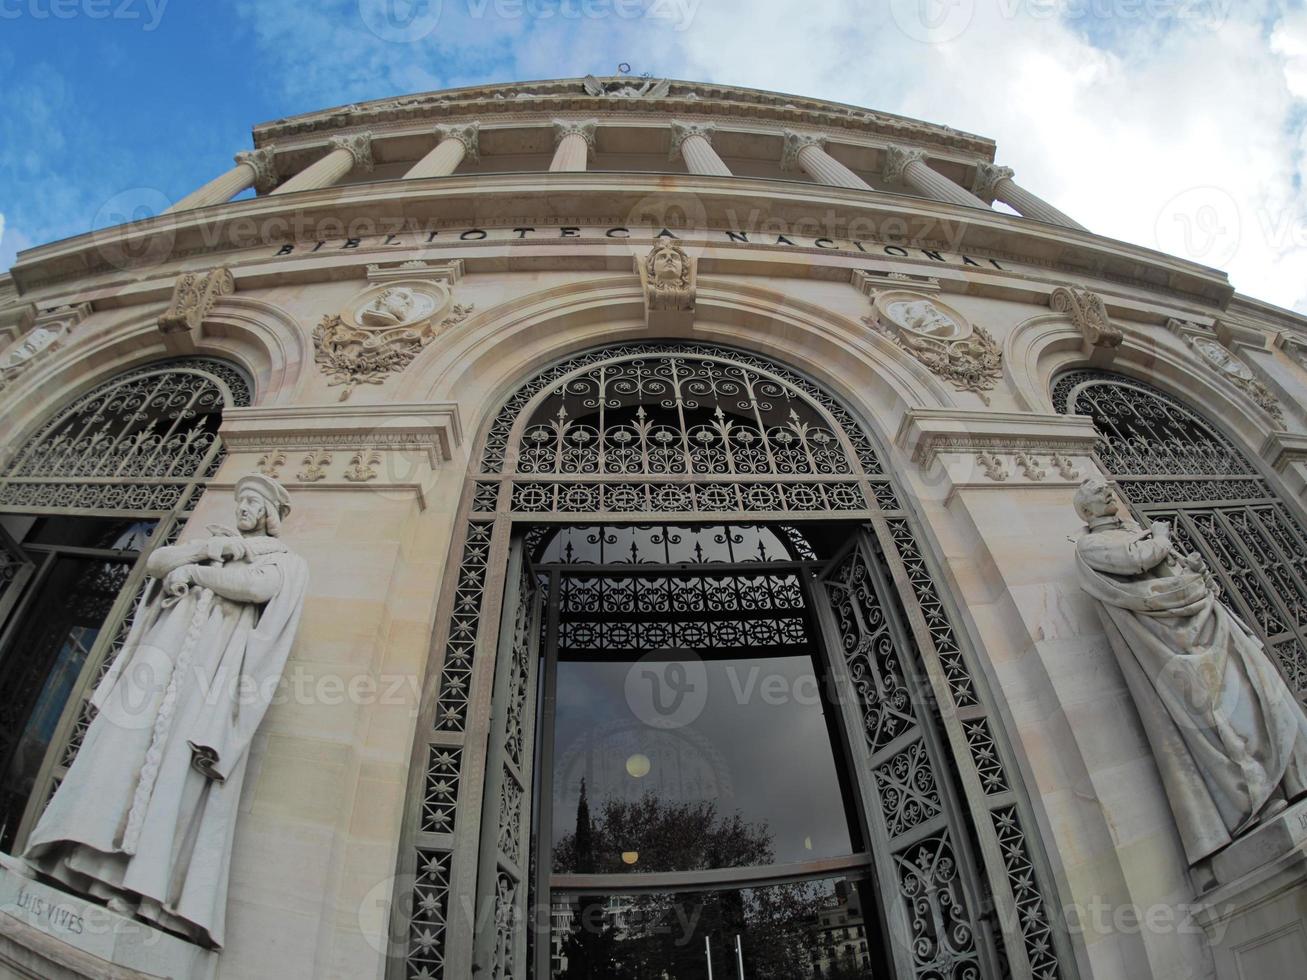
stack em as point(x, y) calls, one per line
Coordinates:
point(1229, 738)
point(143, 821)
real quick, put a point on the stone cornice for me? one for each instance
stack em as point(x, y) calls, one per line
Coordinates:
point(433, 429)
point(567, 96)
point(1282, 448)
point(497, 201)
point(925, 433)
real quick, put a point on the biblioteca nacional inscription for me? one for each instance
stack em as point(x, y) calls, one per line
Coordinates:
point(621, 233)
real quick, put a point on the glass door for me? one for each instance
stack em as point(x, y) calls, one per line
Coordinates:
point(695, 815)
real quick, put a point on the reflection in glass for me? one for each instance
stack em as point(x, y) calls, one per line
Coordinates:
point(814, 928)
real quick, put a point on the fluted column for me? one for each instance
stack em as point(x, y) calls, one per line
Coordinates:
point(693, 143)
point(573, 141)
point(808, 153)
point(908, 166)
point(996, 184)
point(254, 168)
point(455, 143)
point(348, 153)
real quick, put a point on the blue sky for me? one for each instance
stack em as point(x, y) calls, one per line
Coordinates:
point(1176, 124)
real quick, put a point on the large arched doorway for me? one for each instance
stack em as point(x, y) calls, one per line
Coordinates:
point(110, 477)
point(1172, 464)
point(640, 503)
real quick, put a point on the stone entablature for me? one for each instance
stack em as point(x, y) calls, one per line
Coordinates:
point(570, 96)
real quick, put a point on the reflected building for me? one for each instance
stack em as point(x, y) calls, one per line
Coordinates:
point(686, 476)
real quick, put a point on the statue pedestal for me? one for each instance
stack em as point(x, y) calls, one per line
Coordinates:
point(1255, 915)
point(52, 935)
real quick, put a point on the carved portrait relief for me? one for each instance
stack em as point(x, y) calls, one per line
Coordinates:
point(941, 338)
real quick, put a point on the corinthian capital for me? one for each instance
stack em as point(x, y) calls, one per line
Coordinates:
point(584, 128)
point(796, 143)
point(359, 146)
point(468, 135)
point(987, 179)
point(264, 165)
point(897, 159)
point(682, 131)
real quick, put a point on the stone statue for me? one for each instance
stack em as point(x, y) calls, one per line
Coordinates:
point(1229, 738)
point(144, 818)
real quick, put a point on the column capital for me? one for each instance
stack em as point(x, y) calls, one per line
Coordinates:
point(897, 159)
point(263, 163)
point(584, 128)
point(359, 146)
point(796, 143)
point(987, 179)
point(682, 131)
point(468, 135)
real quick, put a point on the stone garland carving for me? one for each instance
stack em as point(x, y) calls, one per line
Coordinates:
point(193, 297)
point(387, 328)
point(362, 466)
point(270, 463)
point(1065, 468)
point(1030, 467)
point(315, 467)
point(963, 354)
point(993, 465)
point(1089, 313)
point(1236, 372)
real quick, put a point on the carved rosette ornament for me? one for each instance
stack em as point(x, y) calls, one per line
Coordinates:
point(1236, 372)
point(1089, 313)
point(383, 330)
point(263, 163)
point(962, 353)
point(193, 297)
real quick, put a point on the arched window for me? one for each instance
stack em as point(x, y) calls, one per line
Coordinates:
point(1172, 464)
point(699, 504)
point(109, 478)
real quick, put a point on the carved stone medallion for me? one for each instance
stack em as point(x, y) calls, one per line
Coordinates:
point(1237, 373)
point(940, 337)
point(382, 330)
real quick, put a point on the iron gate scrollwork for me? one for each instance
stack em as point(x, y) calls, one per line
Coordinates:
point(1171, 464)
point(679, 432)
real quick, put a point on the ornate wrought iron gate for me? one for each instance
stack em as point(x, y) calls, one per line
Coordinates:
point(1171, 464)
point(664, 432)
point(140, 446)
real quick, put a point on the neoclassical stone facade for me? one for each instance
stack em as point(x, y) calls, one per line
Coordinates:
point(598, 382)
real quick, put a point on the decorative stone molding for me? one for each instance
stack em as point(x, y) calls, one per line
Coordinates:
point(1229, 366)
point(682, 131)
point(263, 162)
point(416, 270)
point(624, 87)
point(1089, 313)
point(469, 135)
point(270, 463)
point(584, 128)
point(872, 283)
point(941, 338)
point(669, 280)
point(897, 159)
point(359, 146)
point(392, 447)
point(1294, 349)
point(988, 176)
point(193, 298)
point(977, 449)
point(796, 143)
point(385, 327)
point(16, 321)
